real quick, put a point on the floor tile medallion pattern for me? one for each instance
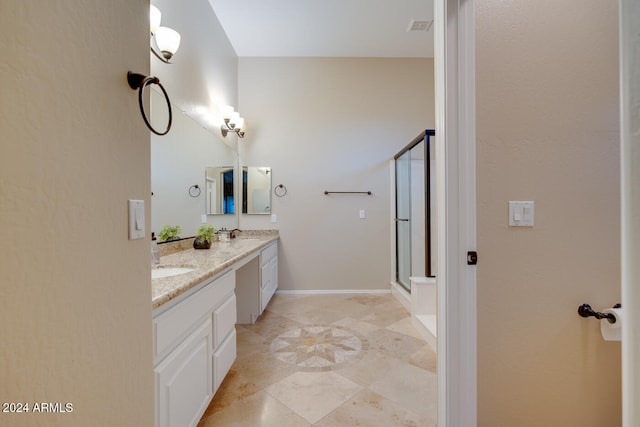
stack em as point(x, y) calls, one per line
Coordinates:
point(317, 347)
point(328, 361)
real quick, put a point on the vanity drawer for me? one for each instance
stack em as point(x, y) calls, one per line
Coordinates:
point(174, 324)
point(224, 320)
point(265, 275)
point(223, 359)
point(268, 254)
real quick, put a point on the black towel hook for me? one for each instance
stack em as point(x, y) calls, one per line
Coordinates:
point(140, 81)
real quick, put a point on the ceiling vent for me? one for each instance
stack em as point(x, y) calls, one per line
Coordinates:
point(420, 25)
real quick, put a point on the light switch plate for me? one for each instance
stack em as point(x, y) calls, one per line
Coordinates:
point(521, 213)
point(362, 214)
point(136, 219)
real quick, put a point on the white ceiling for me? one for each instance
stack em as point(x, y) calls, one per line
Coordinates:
point(326, 28)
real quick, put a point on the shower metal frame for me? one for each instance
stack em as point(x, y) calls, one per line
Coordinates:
point(426, 137)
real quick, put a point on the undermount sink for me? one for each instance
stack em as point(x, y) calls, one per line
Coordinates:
point(157, 273)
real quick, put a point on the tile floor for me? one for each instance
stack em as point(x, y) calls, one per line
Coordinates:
point(328, 360)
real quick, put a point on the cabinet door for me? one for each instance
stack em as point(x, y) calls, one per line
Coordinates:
point(184, 385)
point(223, 358)
point(224, 320)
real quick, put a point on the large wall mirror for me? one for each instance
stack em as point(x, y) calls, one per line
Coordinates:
point(256, 190)
point(181, 162)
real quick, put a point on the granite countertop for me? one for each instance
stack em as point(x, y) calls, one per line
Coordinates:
point(206, 263)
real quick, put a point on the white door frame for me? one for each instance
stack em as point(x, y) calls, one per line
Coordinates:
point(456, 202)
point(630, 209)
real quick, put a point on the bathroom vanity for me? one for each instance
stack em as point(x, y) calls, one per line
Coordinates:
point(194, 317)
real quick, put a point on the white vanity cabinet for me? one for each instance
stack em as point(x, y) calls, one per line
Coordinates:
point(194, 347)
point(257, 282)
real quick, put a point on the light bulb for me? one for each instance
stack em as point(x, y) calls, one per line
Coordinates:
point(168, 41)
point(226, 111)
point(234, 119)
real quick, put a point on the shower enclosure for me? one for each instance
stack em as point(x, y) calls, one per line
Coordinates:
point(415, 210)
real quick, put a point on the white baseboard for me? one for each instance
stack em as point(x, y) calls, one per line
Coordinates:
point(332, 291)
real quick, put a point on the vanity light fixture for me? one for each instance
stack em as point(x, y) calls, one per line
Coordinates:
point(232, 122)
point(165, 38)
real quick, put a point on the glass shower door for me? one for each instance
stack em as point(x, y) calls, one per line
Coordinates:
point(415, 210)
point(403, 220)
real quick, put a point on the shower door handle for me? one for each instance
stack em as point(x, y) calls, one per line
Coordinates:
point(401, 219)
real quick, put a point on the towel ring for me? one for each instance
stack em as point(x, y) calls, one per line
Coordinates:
point(280, 190)
point(194, 190)
point(139, 81)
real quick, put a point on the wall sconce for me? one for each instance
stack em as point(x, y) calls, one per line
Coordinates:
point(166, 39)
point(232, 122)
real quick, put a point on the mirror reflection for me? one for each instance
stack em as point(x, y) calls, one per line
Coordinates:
point(256, 190)
point(219, 190)
point(178, 161)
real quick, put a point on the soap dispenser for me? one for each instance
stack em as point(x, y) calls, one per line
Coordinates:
point(155, 251)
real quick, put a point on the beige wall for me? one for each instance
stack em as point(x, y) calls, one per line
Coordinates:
point(75, 297)
point(331, 124)
point(547, 131)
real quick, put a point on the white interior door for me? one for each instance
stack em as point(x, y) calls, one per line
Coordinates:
point(630, 157)
point(456, 211)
